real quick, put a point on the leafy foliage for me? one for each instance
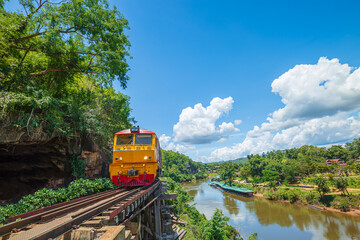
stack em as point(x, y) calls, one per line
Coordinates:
point(77, 166)
point(228, 172)
point(46, 197)
point(322, 186)
point(216, 228)
point(345, 203)
point(58, 61)
point(54, 42)
point(291, 165)
point(341, 184)
point(309, 197)
point(181, 168)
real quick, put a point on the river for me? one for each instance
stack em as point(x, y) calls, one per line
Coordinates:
point(271, 219)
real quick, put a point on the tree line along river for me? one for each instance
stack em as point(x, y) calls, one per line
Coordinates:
point(272, 219)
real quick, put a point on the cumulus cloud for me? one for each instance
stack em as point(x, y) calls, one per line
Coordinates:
point(318, 90)
point(227, 127)
point(167, 144)
point(321, 107)
point(197, 125)
point(318, 131)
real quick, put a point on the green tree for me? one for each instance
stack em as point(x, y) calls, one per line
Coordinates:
point(180, 167)
point(338, 151)
point(354, 148)
point(58, 61)
point(269, 175)
point(256, 165)
point(245, 172)
point(341, 184)
point(228, 172)
point(253, 236)
point(356, 168)
point(55, 42)
point(322, 186)
point(217, 228)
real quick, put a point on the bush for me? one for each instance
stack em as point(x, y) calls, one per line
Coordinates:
point(293, 195)
point(309, 197)
point(46, 197)
point(331, 176)
point(341, 203)
point(270, 195)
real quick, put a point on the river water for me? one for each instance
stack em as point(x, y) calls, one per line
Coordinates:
point(271, 219)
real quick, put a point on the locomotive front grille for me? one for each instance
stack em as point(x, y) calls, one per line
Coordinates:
point(132, 173)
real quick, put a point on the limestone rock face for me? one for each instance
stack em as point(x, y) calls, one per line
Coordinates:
point(30, 163)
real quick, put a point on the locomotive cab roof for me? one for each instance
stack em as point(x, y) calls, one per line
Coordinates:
point(134, 130)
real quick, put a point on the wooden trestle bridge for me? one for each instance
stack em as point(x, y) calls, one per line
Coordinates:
point(139, 213)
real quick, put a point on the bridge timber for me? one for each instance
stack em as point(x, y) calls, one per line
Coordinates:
point(139, 213)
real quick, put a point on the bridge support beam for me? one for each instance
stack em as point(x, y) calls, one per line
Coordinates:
point(157, 217)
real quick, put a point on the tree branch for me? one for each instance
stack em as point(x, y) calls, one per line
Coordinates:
point(69, 30)
point(87, 68)
point(38, 74)
point(58, 53)
point(35, 11)
point(27, 37)
point(27, 125)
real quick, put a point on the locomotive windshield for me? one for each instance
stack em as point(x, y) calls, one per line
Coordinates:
point(124, 139)
point(143, 139)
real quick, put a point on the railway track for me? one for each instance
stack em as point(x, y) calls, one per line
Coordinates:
point(56, 220)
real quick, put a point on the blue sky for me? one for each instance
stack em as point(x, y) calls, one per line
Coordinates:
point(190, 52)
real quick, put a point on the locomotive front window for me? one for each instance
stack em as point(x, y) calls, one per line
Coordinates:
point(124, 139)
point(143, 139)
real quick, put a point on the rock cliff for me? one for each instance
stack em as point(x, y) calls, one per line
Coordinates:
point(28, 163)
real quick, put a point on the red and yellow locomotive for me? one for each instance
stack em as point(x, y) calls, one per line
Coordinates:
point(136, 158)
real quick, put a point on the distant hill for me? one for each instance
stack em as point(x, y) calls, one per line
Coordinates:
point(180, 167)
point(238, 160)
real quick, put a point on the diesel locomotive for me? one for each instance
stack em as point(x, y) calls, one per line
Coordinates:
point(136, 158)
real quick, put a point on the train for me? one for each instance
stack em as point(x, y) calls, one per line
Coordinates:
point(136, 158)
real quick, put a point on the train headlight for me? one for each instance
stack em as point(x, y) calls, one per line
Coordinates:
point(120, 158)
point(145, 157)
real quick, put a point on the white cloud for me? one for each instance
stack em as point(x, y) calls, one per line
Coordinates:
point(197, 125)
point(164, 140)
point(237, 122)
point(167, 144)
point(319, 100)
point(318, 131)
point(323, 89)
point(228, 127)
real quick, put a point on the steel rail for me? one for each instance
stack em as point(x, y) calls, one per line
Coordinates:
point(78, 219)
point(148, 190)
point(57, 211)
point(37, 211)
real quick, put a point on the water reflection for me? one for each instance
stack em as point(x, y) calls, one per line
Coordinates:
point(274, 220)
point(231, 205)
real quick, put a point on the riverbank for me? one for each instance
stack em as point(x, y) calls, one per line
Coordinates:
point(352, 212)
point(308, 195)
point(195, 223)
point(272, 220)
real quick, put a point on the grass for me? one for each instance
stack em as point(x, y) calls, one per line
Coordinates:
point(189, 228)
